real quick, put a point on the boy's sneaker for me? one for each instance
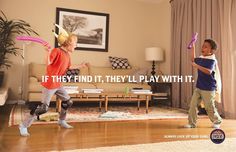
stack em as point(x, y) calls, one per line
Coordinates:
point(23, 130)
point(64, 124)
point(216, 126)
point(189, 126)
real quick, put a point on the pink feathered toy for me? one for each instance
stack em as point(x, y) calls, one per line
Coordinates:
point(33, 39)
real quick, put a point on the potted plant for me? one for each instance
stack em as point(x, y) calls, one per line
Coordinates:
point(8, 30)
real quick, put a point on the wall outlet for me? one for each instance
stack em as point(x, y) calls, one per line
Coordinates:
point(20, 90)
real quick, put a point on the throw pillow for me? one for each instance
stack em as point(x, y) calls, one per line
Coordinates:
point(73, 73)
point(138, 73)
point(119, 63)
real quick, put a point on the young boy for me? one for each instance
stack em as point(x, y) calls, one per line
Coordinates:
point(206, 85)
point(59, 63)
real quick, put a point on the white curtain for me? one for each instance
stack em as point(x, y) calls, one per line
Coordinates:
point(211, 19)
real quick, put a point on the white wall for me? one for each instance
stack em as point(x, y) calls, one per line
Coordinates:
point(134, 25)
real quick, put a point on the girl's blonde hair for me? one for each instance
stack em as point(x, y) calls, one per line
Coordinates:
point(71, 38)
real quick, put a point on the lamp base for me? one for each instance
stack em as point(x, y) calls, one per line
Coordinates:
point(153, 68)
point(153, 72)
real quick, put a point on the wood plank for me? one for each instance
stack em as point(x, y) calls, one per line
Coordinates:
point(98, 134)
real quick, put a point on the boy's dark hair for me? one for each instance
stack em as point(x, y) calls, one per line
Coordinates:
point(212, 43)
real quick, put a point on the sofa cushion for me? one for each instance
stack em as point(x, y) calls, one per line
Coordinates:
point(140, 72)
point(33, 80)
point(84, 71)
point(108, 71)
point(37, 87)
point(119, 63)
point(120, 87)
point(37, 70)
point(37, 97)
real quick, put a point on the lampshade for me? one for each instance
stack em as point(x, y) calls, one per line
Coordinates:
point(154, 54)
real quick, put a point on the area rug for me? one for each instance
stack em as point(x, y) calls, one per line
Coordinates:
point(92, 114)
point(176, 146)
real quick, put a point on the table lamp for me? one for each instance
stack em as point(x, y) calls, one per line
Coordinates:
point(154, 54)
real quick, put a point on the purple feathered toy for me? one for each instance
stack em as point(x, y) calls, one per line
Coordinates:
point(194, 39)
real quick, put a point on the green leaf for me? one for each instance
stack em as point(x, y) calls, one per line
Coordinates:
point(8, 30)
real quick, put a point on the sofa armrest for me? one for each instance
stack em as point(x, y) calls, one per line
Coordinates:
point(33, 79)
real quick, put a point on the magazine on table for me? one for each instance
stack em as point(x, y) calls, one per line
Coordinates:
point(71, 89)
point(92, 90)
point(141, 91)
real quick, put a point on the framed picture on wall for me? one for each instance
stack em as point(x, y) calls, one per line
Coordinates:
point(92, 28)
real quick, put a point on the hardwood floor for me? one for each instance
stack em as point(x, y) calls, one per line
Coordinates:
point(98, 134)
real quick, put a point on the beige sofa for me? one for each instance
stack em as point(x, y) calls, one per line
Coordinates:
point(36, 71)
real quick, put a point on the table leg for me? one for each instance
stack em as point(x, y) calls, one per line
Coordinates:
point(100, 103)
point(58, 105)
point(147, 102)
point(106, 103)
point(138, 102)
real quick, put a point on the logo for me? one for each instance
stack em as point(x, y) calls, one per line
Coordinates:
point(217, 136)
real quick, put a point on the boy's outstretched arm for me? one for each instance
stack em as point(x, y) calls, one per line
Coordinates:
point(193, 53)
point(201, 68)
point(82, 65)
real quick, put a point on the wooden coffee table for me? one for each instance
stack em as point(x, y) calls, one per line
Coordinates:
point(127, 97)
point(83, 97)
point(106, 97)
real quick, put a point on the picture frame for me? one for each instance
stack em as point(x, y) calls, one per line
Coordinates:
point(92, 28)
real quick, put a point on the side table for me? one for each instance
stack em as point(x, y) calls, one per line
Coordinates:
point(163, 89)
